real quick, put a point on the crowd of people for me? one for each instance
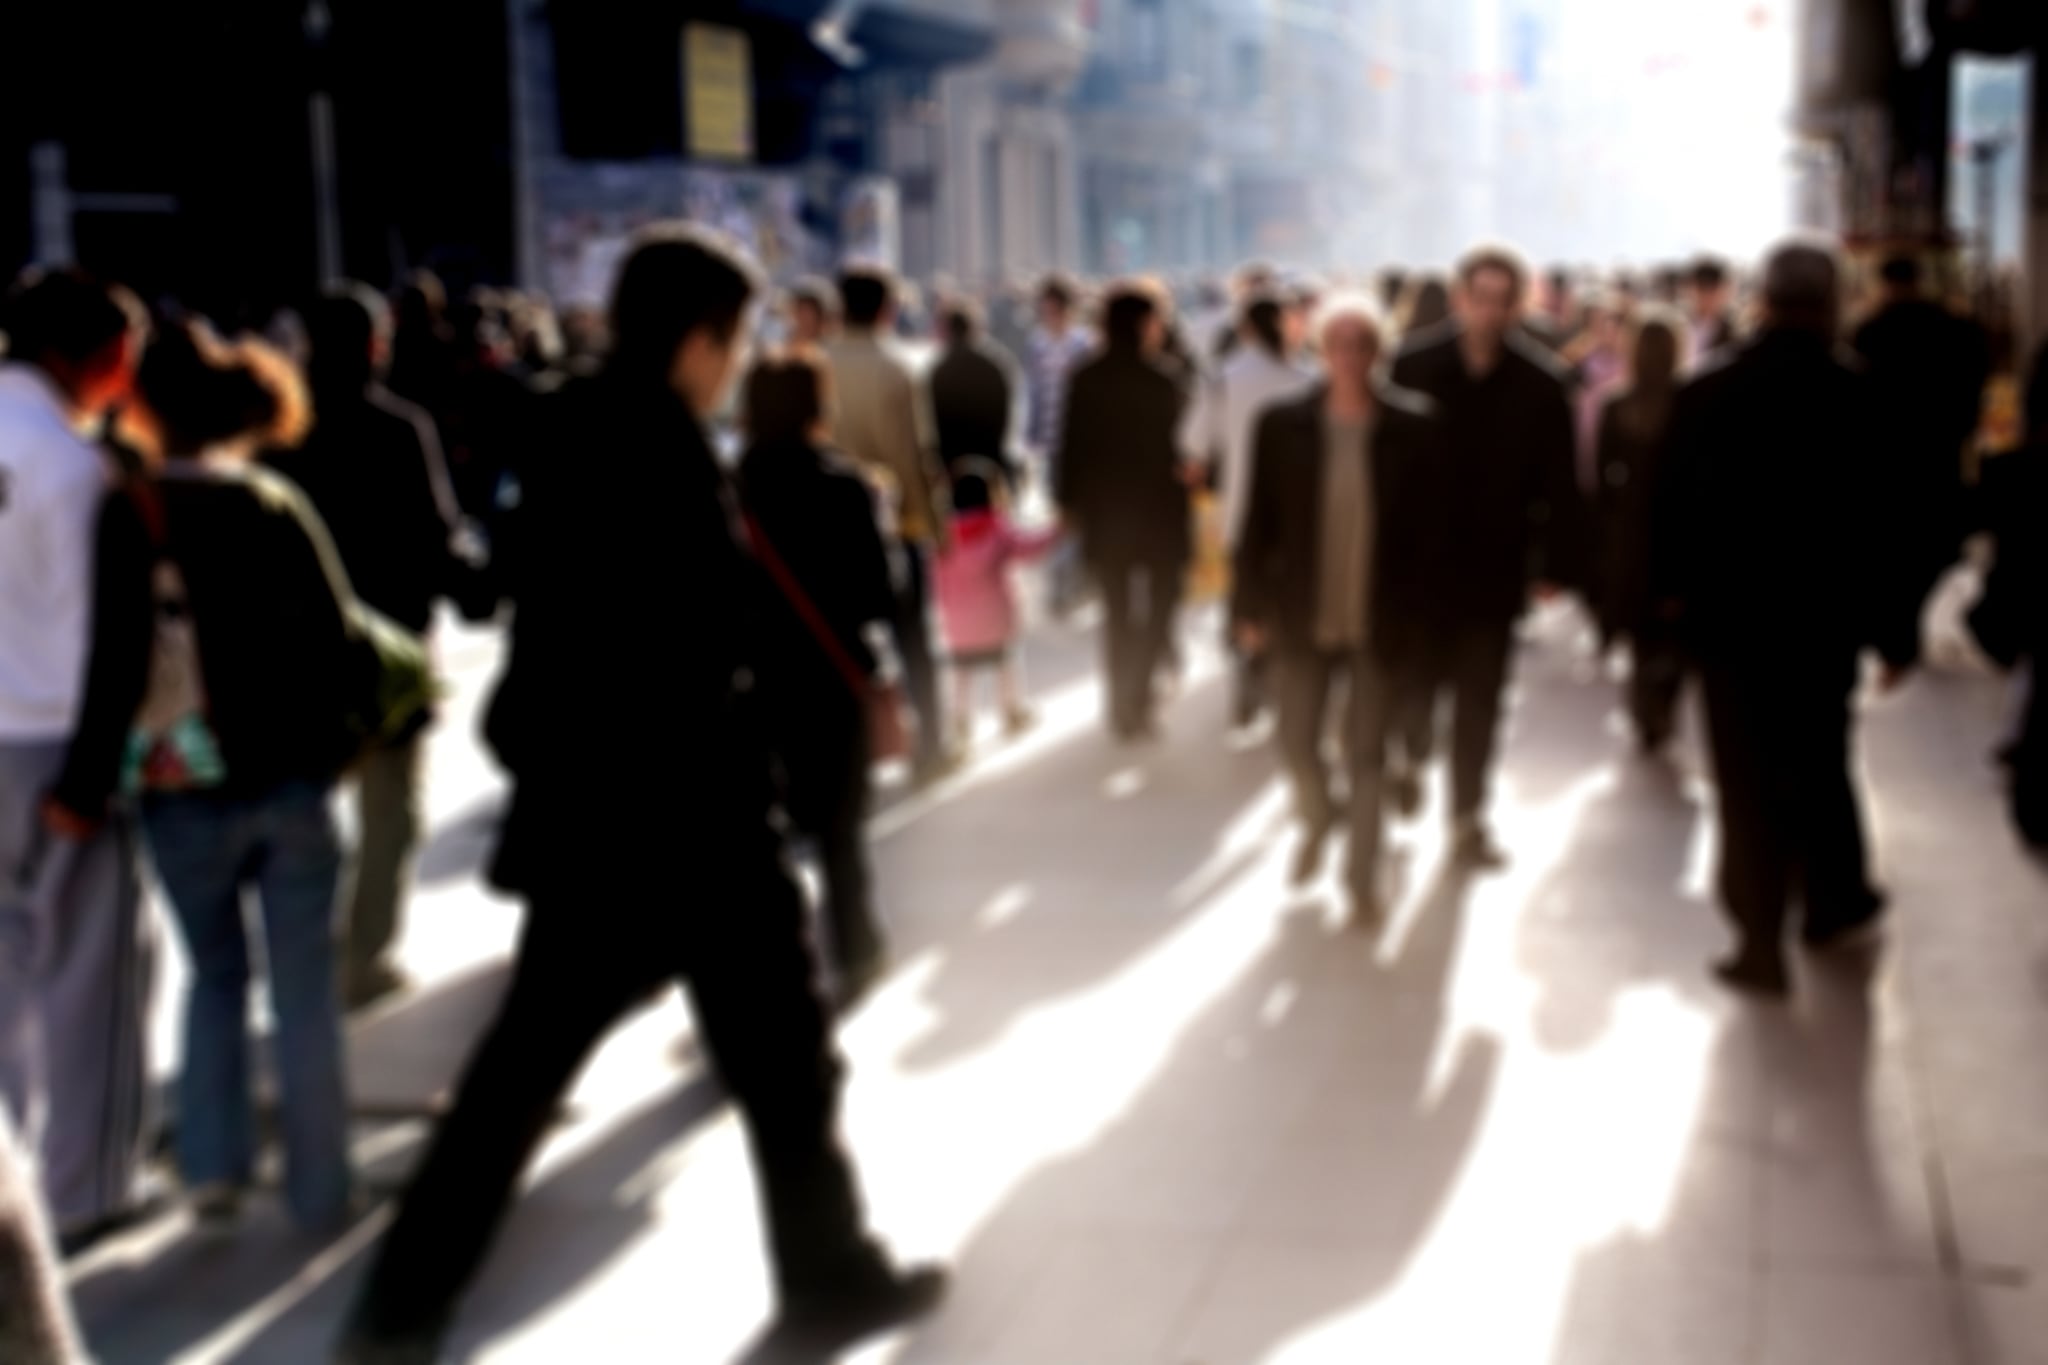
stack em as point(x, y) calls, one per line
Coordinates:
point(221, 559)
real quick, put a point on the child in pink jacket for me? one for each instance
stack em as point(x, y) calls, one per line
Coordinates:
point(977, 602)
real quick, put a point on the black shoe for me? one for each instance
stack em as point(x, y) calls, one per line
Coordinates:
point(1404, 795)
point(363, 1348)
point(841, 1317)
point(1475, 850)
point(1843, 931)
point(1761, 974)
point(374, 984)
point(1308, 859)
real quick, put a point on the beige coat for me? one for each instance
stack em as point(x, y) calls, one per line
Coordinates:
point(881, 417)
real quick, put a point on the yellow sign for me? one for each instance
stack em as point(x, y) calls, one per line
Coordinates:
point(718, 92)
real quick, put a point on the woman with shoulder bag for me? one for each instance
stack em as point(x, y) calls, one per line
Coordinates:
point(229, 701)
point(812, 520)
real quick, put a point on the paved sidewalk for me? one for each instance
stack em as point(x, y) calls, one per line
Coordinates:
point(1156, 1108)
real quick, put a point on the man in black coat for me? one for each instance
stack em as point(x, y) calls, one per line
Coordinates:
point(1928, 368)
point(372, 466)
point(1124, 490)
point(1775, 546)
point(1331, 577)
point(974, 388)
point(1508, 513)
point(640, 832)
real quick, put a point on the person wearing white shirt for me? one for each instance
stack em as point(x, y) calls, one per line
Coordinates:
point(73, 944)
point(1217, 434)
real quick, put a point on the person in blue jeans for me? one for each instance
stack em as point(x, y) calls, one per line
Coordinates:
point(216, 694)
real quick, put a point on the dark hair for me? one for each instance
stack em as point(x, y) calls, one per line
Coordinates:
point(343, 327)
point(961, 319)
point(1393, 284)
point(1708, 273)
point(66, 316)
point(1653, 374)
point(1262, 317)
point(204, 391)
point(678, 279)
point(1560, 279)
point(784, 396)
point(865, 292)
point(1428, 303)
point(975, 482)
point(1125, 314)
point(1479, 260)
point(1058, 289)
point(1902, 272)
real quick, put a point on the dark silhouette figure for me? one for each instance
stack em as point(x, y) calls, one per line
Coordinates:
point(1776, 539)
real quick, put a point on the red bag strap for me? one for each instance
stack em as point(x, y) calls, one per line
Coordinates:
point(149, 505)
point(806, 610)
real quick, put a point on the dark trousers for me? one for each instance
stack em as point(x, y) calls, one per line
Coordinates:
point(1789, 818)
point(914, 642)
point(1656, 678)
point(1303, 683)
point(827, 768)
point(728, 925)
point(1140, 598)
point(1470, 663)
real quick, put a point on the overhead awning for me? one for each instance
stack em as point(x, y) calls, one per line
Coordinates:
point(903, 35)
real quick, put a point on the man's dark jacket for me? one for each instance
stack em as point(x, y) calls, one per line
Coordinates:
point(1778, 514)
point(1120, 465)
point(1509, 510)
point(1278, 573)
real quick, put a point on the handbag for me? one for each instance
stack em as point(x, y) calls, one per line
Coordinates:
point(881, 703)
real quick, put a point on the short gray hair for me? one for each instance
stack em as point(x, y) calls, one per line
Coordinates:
point(1802, 283)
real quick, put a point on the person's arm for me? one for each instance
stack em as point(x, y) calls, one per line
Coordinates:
point(1252, 594)
point(1674, 500)
point(117, 676)
point(1072, 465)
point(1555, 498)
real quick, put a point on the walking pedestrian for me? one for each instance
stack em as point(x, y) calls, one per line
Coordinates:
point(818, 516)
point(1332, 579)
point(76, 956)
point(1632, 428)
point(640, 833)
point(1775, 544)
point(1217, 435)
point(1511, 519)
point(1710, 296)
point(813, 312)
point(1123, 488)
point(974, 388)
point(977, 601)
point(1059, 346)
point(229, 676)
point(372, 467)
point(881, 418)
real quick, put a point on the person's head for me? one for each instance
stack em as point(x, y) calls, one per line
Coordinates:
point(1709, 282)
point(1606, 317)
point(1131, 320)
point(960, 321)
point(196, 394)
point(1901, 278)
point(1668, 284)
point(1351, 339)
point(348, 330)
point(1426, 304)
point(1558, 299)
point(679, 311)
point(979, 486)
point(813, 311)
point(421, 302)
point(867, 294)
point(786, 397)
point(1802, 288)
point(1492, 282)
point(85, 334)
point(1262, 322)
point(1057, 296)
point(1655, 352)
point(1253, 277)
point(1393, 287)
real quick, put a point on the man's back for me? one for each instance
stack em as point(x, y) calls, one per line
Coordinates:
point(971, 399)
point(1776, 513)
point(1119, 462)
point(876, 420)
